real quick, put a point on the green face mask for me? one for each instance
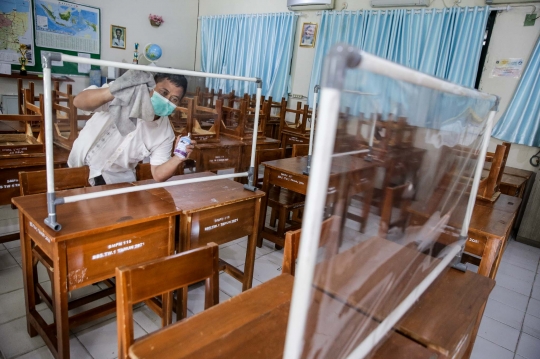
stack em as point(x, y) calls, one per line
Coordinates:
point(162, 106)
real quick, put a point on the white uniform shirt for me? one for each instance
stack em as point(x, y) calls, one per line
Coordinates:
point(101, 147)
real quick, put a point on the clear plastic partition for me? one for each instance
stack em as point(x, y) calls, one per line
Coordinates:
point(400, 176)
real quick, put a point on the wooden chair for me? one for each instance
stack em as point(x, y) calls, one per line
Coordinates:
point(161, 277)
point(392, 196)
point(143, 171)
point(238, 122)
point(35, 182)
point(188, 119)
point(292, 244)
point(488, 189)
point(281, 201)
point(273, 117)
point(300, 150)
point(65, 119)
point(302, 114)
point(226, 97)
point(264, 156)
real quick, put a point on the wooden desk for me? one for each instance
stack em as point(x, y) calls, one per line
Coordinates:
point(225, 154)
point(287, 173)
point(376, 275)
point(216, 211)
point(292, 138)
point(97, 236)
point(10, 168)
point(488, 231)
point(9, 177)
point(253, 324)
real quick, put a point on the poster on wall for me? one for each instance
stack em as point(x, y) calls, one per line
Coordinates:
point(510, 67)
point(15, 30)
point(65, 25)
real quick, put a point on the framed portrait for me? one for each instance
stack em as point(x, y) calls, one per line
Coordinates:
point(118, 37)
point(309, 34)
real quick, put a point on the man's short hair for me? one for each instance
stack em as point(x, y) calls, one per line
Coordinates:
point(177, 80)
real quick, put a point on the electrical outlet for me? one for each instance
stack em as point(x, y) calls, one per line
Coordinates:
point(297, 96)
point(530, 19)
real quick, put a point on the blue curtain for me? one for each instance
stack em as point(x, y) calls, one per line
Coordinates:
point(445, 43)
point(520, 123)
point(255, 45)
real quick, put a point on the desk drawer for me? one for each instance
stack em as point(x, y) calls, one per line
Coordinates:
point(296, 183)
point(95, 257)
point(476, 244)
point(222, 224)
point(219, 158)
point(295, 140)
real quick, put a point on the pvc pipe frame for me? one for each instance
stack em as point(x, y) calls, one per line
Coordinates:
point(339, 59)
point(52, 201)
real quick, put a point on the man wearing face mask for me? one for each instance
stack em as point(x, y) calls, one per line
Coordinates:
point(112, 157)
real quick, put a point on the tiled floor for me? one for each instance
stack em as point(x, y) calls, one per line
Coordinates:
point(510, 327)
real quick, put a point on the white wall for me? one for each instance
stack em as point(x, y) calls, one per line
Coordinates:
point(176, 35)
point(510, 39)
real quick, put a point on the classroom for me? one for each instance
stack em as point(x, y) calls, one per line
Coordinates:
point(269, 179)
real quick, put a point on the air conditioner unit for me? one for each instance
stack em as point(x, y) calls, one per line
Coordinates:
point(493, 2)
point(398, 3)
point(310, 4)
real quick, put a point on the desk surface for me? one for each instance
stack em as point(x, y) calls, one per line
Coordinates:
point(194, 197)
point(489, 220)
point(365, 277)
point(504, 203)
point(384, 274)
point(296, 165)
point(252, 325)
point(88, 216)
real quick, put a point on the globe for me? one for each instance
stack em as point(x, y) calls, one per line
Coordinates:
point(152, 52)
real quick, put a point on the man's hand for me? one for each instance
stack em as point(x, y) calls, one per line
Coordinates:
point(189, 148)
point(168, 169)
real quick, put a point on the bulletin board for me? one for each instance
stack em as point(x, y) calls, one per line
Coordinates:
point(66, 27)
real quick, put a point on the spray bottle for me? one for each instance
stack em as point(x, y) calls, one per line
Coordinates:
point(180, 149)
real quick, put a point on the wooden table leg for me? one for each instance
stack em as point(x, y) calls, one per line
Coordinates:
point(264, 204)
point(183, 244)
point(61, 300)
point(491, 251)
point(252, 242)
point(474, 332)
point(28, 276)
point(500, 253)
